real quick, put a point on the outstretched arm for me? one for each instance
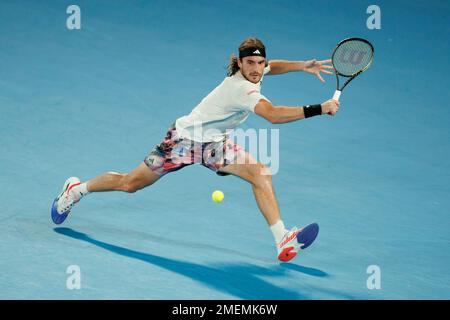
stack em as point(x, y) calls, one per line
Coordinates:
point(284, 114)
point(311, 66)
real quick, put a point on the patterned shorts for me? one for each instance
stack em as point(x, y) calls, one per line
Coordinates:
point(174, 153)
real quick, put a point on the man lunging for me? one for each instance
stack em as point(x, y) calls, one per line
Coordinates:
point(202, 137)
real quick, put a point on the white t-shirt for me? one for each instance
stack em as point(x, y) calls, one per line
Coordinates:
point(223, 109)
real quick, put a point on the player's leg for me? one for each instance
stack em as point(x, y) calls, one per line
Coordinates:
point(288, 242)
point(156, 164)
point(133, 181)
point(260, 178)
point(160, 161)
point(73, 190)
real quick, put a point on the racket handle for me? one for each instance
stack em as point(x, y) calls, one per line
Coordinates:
point(336, 95)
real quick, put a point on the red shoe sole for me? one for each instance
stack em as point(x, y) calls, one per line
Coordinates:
point(286, 255)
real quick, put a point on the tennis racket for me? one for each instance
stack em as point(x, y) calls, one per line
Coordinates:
point(351, 57)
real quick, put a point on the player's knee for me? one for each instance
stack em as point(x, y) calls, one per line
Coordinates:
point(261, 174)
point(129, 188)
point(266, 172)
point(130, 185)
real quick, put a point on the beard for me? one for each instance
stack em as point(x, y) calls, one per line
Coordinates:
point(251, 77)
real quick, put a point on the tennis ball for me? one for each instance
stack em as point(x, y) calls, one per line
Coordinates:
point(217, 196)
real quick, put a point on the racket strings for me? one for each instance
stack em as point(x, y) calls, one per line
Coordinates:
point(351, 57)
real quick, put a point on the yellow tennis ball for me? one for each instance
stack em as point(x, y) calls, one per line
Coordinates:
point(217, 196)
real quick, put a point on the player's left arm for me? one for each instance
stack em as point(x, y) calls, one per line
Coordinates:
point(285, 114)
point(314, 67)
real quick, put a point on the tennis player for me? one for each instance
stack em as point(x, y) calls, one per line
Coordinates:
point(203, 137)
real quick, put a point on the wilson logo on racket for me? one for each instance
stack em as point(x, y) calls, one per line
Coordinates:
point(350, 58)
point(354, 57)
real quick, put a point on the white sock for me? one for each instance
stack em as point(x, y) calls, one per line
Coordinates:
point(278, 230)
point(81, 189)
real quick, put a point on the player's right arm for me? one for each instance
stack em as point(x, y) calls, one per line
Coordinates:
point(284, 114)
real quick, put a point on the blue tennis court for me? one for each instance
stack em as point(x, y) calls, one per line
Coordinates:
point(84, 102)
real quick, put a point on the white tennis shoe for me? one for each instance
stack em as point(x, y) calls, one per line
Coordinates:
point(63, 204)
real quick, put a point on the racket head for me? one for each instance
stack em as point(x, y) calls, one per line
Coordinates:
point(352, 56)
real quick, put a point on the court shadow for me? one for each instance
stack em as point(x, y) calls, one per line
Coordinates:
point(306, 270)
point(239, 280)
